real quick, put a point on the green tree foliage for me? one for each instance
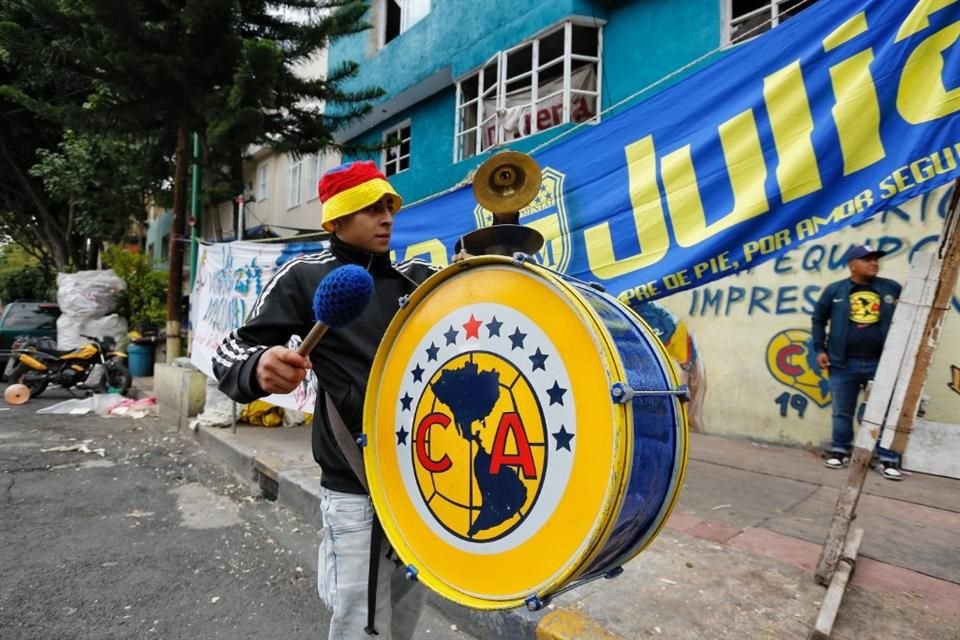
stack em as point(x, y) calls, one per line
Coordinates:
point(59, 188)
point(145, 297)
point(101, 184)
point(22, 277)
point(161, 69)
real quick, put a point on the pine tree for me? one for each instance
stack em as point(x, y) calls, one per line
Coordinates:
point(162, 69)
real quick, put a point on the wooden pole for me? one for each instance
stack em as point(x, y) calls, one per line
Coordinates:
point(902, 418)
point(831, 602)
point(900, 374)
point(175, 274)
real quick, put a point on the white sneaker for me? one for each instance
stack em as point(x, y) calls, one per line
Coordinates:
point(837, 462)
point(890, 471)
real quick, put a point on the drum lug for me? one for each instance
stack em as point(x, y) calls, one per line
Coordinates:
point(519, 258)
point(534, 603)
point(410, 573)
point(622, 393)
point(362, 440)
point(403, 301)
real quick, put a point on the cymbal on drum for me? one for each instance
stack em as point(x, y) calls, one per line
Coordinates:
point(506, 182)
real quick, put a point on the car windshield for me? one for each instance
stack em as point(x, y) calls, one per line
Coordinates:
point(34, 316)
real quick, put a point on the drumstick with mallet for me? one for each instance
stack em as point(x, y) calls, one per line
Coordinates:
point(340, 298)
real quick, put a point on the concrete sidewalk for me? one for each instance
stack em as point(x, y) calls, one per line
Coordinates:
point(737, 556)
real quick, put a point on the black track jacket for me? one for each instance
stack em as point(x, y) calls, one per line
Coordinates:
point(342, 359)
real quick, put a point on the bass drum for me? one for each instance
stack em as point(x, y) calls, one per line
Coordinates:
point(524, 432)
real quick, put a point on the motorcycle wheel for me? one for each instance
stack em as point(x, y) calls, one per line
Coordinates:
point(118, 376)
point(21, 374)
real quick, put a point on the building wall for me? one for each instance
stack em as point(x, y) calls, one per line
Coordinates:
point(458, 36)
point(742, 324)
point(158, 233)
point(646, 41)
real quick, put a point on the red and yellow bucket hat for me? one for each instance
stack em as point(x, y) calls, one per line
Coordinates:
point(351, 187)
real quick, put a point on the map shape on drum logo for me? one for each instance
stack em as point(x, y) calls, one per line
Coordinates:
point(491, 414)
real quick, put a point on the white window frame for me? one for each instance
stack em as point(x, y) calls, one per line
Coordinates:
point(497, 65)
point(771, 12)
point(295, 183)
point(411, 12)
point(393, 166)
point(263, 181)
point(315, 169)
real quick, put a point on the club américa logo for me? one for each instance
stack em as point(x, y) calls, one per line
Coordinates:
point(486, 429)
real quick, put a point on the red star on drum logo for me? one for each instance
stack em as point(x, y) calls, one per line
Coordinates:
point(472, 328)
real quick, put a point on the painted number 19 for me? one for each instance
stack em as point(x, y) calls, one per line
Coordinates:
point(794, 400)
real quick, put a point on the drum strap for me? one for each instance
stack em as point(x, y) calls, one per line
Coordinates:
point(376, 539)
point(351, 451)
point(349, 447)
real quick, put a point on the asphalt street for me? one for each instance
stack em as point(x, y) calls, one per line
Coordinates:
point(121, 528)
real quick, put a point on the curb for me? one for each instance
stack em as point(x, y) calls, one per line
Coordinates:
point(231, 454)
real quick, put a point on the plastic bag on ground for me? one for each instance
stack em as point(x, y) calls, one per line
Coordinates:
point(100, 403)
point(262, 413)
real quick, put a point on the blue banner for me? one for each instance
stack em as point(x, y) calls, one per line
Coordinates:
point(846, 110)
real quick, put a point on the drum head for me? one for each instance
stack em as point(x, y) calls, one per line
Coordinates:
point(494, 454)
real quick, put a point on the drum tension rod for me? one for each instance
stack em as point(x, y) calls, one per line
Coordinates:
point(535, 602)
point(622, 393)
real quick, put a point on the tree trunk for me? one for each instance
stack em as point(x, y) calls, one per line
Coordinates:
point(51, 237)
point(175, 280)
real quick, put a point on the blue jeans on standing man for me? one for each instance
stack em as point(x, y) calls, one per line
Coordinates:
point(846, 383)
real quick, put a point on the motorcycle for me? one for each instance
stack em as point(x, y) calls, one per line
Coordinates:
point(94, 367)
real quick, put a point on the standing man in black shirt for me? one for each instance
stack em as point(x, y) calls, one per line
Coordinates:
point(858, 311)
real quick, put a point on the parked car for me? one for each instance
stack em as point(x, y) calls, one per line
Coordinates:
point(26, 318)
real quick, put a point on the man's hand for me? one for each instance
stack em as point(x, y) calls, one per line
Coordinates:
point(281, 370)
point(823, 360)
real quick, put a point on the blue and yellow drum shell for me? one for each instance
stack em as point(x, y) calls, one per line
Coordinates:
point(498, 461)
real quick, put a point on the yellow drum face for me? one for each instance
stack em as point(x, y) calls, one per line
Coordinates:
point(494, 449)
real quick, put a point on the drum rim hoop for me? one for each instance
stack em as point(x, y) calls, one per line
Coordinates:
point(598, 537)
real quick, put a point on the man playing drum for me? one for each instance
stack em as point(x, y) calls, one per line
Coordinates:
point(252, 362)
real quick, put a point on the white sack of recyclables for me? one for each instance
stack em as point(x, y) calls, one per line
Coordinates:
point(89, 294)
point(71, 329)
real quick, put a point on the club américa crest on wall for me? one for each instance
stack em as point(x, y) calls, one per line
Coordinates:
point(485, 427)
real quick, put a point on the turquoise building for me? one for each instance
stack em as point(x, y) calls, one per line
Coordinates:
point(465, 78)
point(157, 245)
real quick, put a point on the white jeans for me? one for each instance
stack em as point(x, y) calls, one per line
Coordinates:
point(342, 573)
